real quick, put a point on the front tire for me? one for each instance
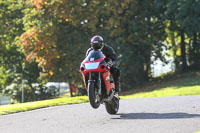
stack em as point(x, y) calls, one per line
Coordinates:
point(92, 94)
point(112, 107)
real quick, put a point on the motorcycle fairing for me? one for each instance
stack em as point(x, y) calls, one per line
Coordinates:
point(106, 78)
point(93, 62)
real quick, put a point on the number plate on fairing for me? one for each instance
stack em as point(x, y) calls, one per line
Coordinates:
point(94, 65)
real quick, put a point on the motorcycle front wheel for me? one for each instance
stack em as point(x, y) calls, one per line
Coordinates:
point(93, 96)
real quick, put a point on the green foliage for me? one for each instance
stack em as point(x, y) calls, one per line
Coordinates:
point(14, 90)
point(184, 16)
point(138, 32)
point(13, 66)
point(53, 39)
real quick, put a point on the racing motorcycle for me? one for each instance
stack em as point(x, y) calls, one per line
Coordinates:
point(99, 82)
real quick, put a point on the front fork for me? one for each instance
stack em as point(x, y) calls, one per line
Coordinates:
point(98, 82)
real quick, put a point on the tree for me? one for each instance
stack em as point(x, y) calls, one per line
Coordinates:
point(11, 26)
point(14, 68)
point(184, 16)
point(54, 38)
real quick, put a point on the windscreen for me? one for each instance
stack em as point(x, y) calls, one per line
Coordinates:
point(94, 55)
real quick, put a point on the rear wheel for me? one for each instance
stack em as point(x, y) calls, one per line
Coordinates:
point(112, 107)
point(93, 96)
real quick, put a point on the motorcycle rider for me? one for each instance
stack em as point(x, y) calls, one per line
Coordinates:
point(111, 59)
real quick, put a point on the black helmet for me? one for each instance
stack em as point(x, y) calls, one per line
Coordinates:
point(97, 42)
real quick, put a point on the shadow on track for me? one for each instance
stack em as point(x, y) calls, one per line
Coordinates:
point(177, 115)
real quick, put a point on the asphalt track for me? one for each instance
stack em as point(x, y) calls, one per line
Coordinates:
point(144, 115)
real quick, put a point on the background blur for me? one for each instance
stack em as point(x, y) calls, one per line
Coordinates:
point(44, 41)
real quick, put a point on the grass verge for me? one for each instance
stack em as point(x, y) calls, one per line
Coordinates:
point(21, 107)
point(168, 91)
point(188, 84)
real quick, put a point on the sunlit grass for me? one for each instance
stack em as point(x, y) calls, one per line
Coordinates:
point(21, 107)
point(168, 91)
point(174, 87)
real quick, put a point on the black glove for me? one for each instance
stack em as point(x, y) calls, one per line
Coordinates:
point(109, 63)
point(115, 63)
